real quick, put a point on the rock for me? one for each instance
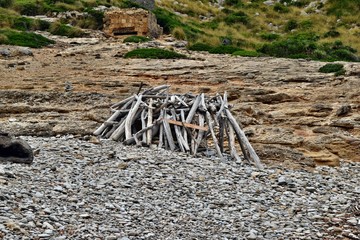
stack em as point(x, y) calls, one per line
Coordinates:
point(343, 110)
point(343, 123)
point(5, 52)
point(24, 51)
point(15, 150)
point(275, 98)
point(282, 181)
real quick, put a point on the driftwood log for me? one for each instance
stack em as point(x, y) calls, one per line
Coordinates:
point(185, 122)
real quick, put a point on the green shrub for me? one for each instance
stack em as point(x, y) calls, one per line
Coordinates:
point(290, 25)
point(332, 33)
point(200, 47)
point(25, 39)
point(237, 17)
point(6, 3)
point(136, 39)
point(29, 24)
point(270, 36)
point(278, 7)
point(292, 46)
point(224, 50)
point(29, 8)
point(169, 21)
point(97, 16)
point(306, 24)
point(178, 33)
point(300, 3)
point(24, 24)
point(153, 53)
point(60, 29)
point(245, 53)
point(214, 24)
point(129, 4)
point(234, 3)
point(331, 68)
point(344, 55)
point(343, 7)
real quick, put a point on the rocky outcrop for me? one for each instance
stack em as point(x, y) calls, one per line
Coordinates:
point(292, 114)
point(14, 150)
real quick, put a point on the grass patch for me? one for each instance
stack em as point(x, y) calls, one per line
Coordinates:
point(246, 53)
point(169, 21)
point(336, 68)
point(60, 29)
point(200, 47)
point(224, 50)
point(153, 53)
point(136, 39)
point(25, 39)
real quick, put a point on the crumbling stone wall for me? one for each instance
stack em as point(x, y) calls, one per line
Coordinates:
point(131, 22)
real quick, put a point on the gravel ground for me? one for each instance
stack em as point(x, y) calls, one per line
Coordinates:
point(79, 190)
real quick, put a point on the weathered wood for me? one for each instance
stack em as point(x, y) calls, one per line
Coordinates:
point(123, 102)
point(200, 133)
point(221, 133)
point(193, 109)
point(243, 139)
point(113, 117)
point(182, 122)
point(149, 122)
point(231, 141)
point(184, 132)
point(130, 117)
point(211, 127)
point(143, 124)
point(188, 125)
point(135, 136)
point(168, 134)
point(181, 141)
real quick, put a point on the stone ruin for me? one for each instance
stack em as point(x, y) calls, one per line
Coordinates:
point(131, 22)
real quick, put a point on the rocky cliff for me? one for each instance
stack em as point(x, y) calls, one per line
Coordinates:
point(292, 113)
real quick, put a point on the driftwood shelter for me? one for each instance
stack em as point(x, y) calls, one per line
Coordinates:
point(189, 123)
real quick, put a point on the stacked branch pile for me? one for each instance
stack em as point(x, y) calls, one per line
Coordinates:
point(189, 123)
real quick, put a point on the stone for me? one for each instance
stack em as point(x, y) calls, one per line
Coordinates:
point(282, 181)
point(24, 51)
point(15, 150)
point(343, 110)
point(5, 52)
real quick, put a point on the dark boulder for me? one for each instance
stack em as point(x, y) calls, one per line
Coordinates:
point(14, 150)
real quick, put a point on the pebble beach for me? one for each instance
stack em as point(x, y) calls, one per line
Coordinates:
point(79, 189)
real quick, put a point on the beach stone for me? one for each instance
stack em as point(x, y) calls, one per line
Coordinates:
point(15, 150)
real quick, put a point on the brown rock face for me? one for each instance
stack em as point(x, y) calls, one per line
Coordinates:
point(293, 114)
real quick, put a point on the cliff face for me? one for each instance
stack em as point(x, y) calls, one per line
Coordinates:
point(293, 114)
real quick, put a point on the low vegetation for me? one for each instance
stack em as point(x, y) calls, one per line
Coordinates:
point(281, 30)
point(336, 68)
point(153, 53)
point(246, 53)
point(21, 38)
point(136, 39)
